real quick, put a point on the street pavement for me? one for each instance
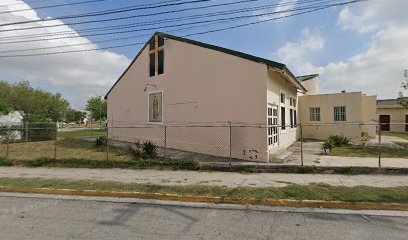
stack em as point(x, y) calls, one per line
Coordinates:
point(33, 217)
point(189, 178)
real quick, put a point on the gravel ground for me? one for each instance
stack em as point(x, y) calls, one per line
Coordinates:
point(186, 178)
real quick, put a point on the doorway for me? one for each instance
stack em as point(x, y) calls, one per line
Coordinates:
point(385, 122)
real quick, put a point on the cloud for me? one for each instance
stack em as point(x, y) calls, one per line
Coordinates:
point(295, 53)
point(373, 16)
point(77, 75)
point(284, 7)
point(378, 69)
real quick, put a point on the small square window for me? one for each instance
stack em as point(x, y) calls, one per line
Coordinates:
point(314, 114)
point(282, 98)
point(340, 114)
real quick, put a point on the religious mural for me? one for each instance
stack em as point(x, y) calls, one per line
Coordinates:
point(156, 107)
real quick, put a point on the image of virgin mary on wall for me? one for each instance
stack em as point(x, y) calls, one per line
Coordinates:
point(155, 107)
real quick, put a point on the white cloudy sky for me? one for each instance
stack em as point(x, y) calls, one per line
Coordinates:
point(360, 47)
point(376, 69)
point(76, 75)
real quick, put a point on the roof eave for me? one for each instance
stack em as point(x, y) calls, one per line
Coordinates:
point(287, 74)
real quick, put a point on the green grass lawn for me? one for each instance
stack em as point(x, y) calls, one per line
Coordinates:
point(400, 135)
point(74, 148)
point(296, 192)
point(402, 144)
point(82, 133)
point(358, 151)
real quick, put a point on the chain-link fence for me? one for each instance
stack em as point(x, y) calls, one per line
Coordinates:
point(330, 144)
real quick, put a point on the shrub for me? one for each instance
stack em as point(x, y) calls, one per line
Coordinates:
point(101, 141)
point(327, 145)
point(6, 162)
point(346, 171)
point(150, 149)
point(136, 150)
point(39, 162)
point(338, 141)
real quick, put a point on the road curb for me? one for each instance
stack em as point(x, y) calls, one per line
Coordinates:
point(216, 200)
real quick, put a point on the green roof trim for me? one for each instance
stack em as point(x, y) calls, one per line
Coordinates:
point(306, 77)
point(219, 49)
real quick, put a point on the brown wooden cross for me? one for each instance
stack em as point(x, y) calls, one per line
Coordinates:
point(155, 51)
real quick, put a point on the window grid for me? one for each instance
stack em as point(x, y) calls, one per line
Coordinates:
point(272, 125)
point(314, 114)
point(156, 56)
point(340, 114)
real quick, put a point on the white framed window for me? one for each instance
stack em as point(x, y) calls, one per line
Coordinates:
point(272, 125)
point(314, 114)
point(340, 114)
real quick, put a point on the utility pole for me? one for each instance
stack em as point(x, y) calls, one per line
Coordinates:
point(100, 111)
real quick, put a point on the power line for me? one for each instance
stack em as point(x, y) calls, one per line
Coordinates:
point(129, 17)
point(108, 12)
point(156, 21)
point(153, 28)
point(54, 6)
point(199, 33)
point(110, 40)
point(25, 2)
point(166, 26)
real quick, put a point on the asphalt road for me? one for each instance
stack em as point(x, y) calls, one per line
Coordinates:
point(41, 218)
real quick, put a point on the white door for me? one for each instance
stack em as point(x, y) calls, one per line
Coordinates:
point(272, 125)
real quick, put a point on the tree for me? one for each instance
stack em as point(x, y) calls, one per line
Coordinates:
point(37, 105)
point(97, 107)
point(403, 101)
point(73, 115)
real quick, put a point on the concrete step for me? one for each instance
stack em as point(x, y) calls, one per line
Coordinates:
point(279, 155)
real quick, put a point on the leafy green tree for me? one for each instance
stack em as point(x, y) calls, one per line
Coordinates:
point(5, 108)
point(73, 115)
point(37, 105)
point(57, 107)
point(404, 87)
point(97, 107)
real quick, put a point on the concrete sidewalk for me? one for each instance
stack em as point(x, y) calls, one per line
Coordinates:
point(188, 178)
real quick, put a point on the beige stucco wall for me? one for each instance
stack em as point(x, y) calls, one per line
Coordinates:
point(360, 115)
point(397, 117)
point(312, 86)
point(277, 84)
point(200, 86)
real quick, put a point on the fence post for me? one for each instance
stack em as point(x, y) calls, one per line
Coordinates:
point(301, 145)
point(55, 141)
point(8, 142)
point(379, 145)
point(165, 141)
point(230, 142)
point(26, 131)
point(107, 141)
